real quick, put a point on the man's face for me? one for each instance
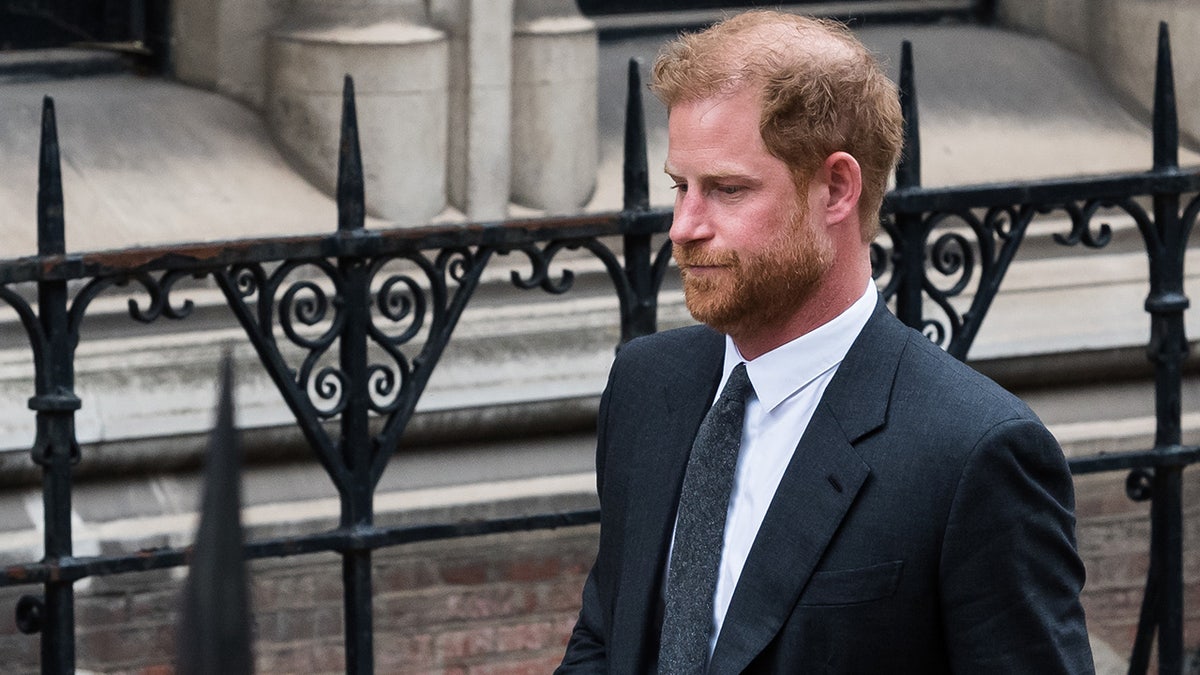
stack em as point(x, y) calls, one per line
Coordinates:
point(749, 252)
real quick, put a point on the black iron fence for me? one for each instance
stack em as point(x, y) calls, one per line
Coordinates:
point(340, 302)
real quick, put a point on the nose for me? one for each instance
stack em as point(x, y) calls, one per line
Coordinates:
point(690, 221)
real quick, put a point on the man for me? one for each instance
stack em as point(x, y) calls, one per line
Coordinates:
point(889, 510)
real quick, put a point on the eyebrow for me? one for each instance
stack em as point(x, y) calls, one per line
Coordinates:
point(718, 176)
point(714, 175)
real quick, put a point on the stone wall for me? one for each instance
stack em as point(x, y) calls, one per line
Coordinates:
point(1119, 37)
point(1114, 534)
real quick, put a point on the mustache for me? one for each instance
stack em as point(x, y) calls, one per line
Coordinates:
point(692, 254)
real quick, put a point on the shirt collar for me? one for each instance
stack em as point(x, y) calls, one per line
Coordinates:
point(789, 367)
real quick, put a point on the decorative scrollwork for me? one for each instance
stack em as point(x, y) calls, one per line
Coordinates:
point(879, 260)
point(403, 302)
point(33, 329)
point(884, 262)
point(160, 298)
point(1188, 219)
point(31, 614)
point(540, 260)
point(400, 299)
point(307, 303)
point(158, 290)
point(247, 279)
point(384, 384)
point(1006, 221)
point(1139, 484)
point(329, 386)
point(662, 261)
point(951, 255)
point(934, 330)
point(1081, 222)
point(305, 317)
point(457, 262)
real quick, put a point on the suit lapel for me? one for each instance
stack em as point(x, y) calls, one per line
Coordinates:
point(822, 480)
point(672, 418)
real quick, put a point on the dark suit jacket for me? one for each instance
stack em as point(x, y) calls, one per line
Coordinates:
point(924, 525)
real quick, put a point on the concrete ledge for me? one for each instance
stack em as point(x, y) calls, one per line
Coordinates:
point(35, 65)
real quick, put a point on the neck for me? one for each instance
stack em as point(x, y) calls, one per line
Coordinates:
point(827, 301)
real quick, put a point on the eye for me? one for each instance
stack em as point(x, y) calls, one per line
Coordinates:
point(681, 186)
point(729, 189)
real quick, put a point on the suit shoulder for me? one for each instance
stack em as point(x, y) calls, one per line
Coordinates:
point(943, 382)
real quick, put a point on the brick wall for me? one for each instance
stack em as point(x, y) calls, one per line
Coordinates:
point(494, 605)
point(504, 604)
point(1114, 536)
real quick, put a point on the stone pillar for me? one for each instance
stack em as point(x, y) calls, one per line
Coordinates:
point(195, 43)
point(480, 103)
point(400, 71)
point(554, 128)
point(1119, 38)
point(221, 44)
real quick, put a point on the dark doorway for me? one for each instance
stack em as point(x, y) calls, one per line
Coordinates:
point(131, 25)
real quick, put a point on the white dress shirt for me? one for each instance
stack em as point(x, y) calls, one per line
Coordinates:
point(788, 383)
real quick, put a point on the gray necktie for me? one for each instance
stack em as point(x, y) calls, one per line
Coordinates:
point(700, 530)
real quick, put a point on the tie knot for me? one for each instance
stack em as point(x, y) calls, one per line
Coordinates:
point(738, 386)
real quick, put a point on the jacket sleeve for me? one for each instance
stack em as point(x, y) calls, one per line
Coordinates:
point(1010, 574)
point(586, 650)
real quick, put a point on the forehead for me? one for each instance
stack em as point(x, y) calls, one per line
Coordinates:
point(716, 135)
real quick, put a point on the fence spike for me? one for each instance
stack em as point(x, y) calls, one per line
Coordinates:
point(1166, 119)
point(51, 225)
point(350, 194)
point(908, 171)
point(636, 175)
point(214, 626)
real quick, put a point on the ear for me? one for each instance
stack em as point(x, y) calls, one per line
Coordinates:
point(844, 178)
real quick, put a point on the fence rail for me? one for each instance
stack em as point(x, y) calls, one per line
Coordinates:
point(375, 291)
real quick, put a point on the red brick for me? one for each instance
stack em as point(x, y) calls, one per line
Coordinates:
point(533, 569)
point(398, 652)
point(464, 573)
point(533, 665)
point(454, 647)
point(399, 574)
point(525, 637)
point(491, 602)
point(565, 595)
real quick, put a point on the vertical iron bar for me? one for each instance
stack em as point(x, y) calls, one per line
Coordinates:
point(911, 244)
point(351, 199)
point(213, 636)
point(643, 306)
point(1166, 120)
point(357, 499)
point(55, 403)
point(1168, 343)
point(985, 11)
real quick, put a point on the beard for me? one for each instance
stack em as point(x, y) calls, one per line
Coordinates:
point(756, 291)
